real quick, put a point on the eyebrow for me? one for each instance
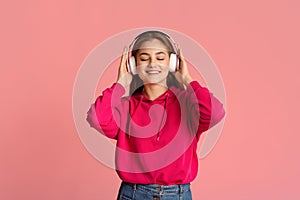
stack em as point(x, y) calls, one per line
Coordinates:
point(161, 52)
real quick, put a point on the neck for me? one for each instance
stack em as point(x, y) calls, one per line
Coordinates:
point(152, 91)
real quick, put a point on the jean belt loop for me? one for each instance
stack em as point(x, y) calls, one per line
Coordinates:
point(134, 187)
point(180, 188)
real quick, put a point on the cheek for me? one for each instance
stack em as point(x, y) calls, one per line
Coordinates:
point(141, 64)
point(166, 65)
point(166, 62)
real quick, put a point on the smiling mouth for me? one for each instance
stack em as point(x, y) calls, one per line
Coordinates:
point(153, 72)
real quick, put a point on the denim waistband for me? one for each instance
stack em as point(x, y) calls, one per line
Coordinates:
point(159, 189)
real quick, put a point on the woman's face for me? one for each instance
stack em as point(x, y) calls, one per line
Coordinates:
point(152, 61)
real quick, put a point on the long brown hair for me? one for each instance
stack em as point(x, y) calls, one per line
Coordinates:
point(137, 85)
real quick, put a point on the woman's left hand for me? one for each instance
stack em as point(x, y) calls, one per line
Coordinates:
point(182, 74)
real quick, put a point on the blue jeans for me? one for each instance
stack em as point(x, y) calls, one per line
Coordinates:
point(129, 191)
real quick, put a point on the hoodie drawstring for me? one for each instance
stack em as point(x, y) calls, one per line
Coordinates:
point(165, 110)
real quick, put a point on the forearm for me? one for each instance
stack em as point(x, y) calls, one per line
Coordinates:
point(210, 109)
point(187, 80)
point(100, 116)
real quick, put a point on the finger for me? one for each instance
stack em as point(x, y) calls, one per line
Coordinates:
point(124, 54)
point(123, 62)
point(182, 60)
point(180, 52)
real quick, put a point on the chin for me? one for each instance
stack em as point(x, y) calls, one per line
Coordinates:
point(158, 82)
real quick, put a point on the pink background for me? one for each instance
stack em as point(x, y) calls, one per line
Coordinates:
point(255, 44)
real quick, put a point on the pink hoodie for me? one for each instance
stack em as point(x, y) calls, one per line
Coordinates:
point(156, 139)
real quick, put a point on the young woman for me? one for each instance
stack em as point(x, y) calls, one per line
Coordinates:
point(157, 126)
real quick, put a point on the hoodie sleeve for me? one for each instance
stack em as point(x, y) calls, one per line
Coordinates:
point(103, 115)
point(205, 107)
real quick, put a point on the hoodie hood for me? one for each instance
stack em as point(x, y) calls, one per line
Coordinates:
point(162, 97)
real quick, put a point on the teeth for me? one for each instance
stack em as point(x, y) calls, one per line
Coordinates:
point(153, 72)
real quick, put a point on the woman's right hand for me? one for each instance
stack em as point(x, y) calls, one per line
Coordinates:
point(124, 77)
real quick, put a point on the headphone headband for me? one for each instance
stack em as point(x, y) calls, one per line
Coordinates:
point(153, 31)
point(174, 62)
point(173, 43)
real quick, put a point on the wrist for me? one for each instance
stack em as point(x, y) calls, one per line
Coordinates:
point(187, 79)
point(122, 82)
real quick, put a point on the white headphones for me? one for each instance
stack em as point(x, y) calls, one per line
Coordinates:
point(174, 61)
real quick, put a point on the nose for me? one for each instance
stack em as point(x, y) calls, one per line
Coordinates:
point(152, 62)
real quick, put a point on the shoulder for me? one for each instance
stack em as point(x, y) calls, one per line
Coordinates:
point(189, 88)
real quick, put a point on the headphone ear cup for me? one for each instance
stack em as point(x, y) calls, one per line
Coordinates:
point(132, 65)
point(173, 62)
